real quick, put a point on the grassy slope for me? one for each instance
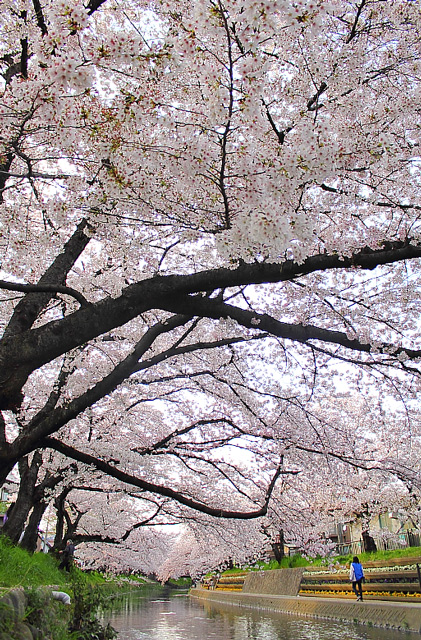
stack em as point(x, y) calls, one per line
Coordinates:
point(18, 568)
point(409, 552)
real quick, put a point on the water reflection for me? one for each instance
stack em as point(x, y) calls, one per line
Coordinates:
point(177, 617)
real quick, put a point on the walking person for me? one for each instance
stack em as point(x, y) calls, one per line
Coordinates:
point(67, 554)
point(356, 575)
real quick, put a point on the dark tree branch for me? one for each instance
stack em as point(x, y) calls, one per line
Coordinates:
point(160, 444)
point(93, 5)
point(179, 497)
point(40, 17)
point(31, 305)
point(353, 32)
point(313, 103)
point(24, 58)
point(43, 288)
point(4, 172)
point(87, 537)
point(44, 424)
point(280, 134)
point(196, 305)
point(22, 355)
point(3, 441)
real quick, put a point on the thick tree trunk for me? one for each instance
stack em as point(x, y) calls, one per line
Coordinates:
point(5, 465)
point(368, 542)
point(5, 468)
point(30, 537)
point(59, 505)
point(15, 524)
point(31, 305)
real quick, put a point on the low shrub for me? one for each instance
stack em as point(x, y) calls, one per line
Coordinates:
point(88, 602)
point(50, 617)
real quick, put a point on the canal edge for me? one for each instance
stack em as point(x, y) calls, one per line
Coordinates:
point(388, 615)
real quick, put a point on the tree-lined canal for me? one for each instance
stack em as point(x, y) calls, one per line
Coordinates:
point(167, 616)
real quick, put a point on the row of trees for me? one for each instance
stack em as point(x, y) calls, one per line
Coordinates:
point(209, 266)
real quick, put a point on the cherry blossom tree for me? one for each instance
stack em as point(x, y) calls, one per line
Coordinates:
point(32, 499)
point(209, 234)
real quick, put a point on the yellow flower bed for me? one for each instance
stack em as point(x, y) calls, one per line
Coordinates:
point(375, 594)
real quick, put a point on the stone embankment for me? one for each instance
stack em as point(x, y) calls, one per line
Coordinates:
point(15, 623)
point(12, 613)
point(324, 594)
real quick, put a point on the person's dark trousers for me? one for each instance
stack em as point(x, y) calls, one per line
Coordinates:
point(358, 589)
point(65, 564)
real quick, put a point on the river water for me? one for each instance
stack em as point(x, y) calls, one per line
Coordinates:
point(170, 616)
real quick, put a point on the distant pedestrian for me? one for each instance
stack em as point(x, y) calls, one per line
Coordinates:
point(356, 575)
point(8, 512)
point(67, 553)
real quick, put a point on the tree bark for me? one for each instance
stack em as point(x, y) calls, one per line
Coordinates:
point(15, 524)
point(59, 506)
point(31, 305)
point(30, 536)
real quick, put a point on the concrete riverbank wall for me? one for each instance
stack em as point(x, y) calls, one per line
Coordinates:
point(277, 591)
point(281, 582)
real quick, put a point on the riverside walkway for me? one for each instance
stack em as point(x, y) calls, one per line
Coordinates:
point(286, 591)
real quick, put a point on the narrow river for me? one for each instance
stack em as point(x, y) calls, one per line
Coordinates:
point(167, 616)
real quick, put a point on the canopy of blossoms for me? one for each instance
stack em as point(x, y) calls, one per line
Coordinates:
point(209, 253)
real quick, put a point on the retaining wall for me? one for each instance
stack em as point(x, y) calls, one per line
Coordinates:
point(12, 612)
point(281, 582)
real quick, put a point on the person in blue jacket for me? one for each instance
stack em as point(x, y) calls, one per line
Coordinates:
point(356, 575)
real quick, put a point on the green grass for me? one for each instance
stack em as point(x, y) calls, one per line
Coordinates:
point(18, 568)
point(180, 583)
point(364, 557)
point(289, 562)
point(408, 552)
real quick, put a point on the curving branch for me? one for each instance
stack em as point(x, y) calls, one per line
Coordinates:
point(353, 31)
point(53, 339)
point(31, 305)
point(45, 423)
point(43, 288)
point(178, 496)
point(213, 308)
point(40, 17)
